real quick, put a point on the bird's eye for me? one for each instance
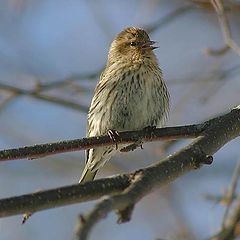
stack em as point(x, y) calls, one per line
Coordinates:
point(133, 44)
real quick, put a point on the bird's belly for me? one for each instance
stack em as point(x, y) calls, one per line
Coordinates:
point(133, 112)
point(130, 117)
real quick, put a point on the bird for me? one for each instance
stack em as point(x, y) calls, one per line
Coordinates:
point(130, 95)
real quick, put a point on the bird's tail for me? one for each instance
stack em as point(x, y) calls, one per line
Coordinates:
point(87, 175)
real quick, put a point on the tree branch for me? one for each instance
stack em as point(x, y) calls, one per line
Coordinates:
point(226, 31)
point(77, 193)
point(44, 97)
point(66, 81)
point(125, 190)
point(41, 150)
point(231, 193)
point(169, 18)
point(146, 180)
point(231, 229)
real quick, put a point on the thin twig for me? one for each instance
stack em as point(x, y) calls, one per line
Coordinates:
point(218, 199)
point(215, 75)
point(42, 150)
point(231, 193)
point(225, 26)
point(7, 100)
point(68, 80)
point(231, 229)
point(168, 19)
point(216, 52)
point(229, 5)
point(48, 98)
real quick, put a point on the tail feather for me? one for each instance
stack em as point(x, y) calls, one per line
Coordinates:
point(87, 175)
point(95, 159)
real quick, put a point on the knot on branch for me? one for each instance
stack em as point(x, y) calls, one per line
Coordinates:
point(135, 176)
point(200, 157)
point(26, 216)
point(125, 214)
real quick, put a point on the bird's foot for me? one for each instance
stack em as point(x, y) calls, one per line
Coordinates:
point(113, 134)
point(150, 130)
point(133, 146)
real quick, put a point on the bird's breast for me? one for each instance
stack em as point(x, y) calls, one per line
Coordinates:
point(129, 99)
point(137, 100)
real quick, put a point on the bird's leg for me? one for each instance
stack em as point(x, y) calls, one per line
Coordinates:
point(113, 134)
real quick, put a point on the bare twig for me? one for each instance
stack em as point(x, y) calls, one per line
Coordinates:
point(218, 199)
point(231, 229)
point(215, 75)
point(229, 5)
point(225, 26)
point(216, 52)
point(231, 193)
point(68, 80)
point(48, 98)
point(7, 100)
point(169, 18)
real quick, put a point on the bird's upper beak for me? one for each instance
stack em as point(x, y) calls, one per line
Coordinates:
point(149, 45)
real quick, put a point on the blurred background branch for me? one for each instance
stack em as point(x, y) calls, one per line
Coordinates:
point(225, 26)
point(14, 92)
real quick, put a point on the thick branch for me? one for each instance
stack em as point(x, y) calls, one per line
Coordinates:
point(62, 196)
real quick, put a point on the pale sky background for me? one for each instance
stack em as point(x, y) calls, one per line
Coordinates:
point(49, 40)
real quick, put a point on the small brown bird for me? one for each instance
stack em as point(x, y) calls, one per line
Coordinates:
point(130, 95)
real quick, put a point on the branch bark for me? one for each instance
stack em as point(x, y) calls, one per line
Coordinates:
point(42, 150)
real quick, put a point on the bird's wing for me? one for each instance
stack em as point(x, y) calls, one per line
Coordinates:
point(87, 129)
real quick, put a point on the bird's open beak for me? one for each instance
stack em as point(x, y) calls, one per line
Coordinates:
point(149, 45)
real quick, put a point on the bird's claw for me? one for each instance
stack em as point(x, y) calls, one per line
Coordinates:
point(113, 134)
point(150, 130)
point(132, 146)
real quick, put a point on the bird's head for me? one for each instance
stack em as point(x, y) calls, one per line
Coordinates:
point(131, 44)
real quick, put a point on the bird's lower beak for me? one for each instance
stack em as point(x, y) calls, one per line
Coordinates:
point(149, 45)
